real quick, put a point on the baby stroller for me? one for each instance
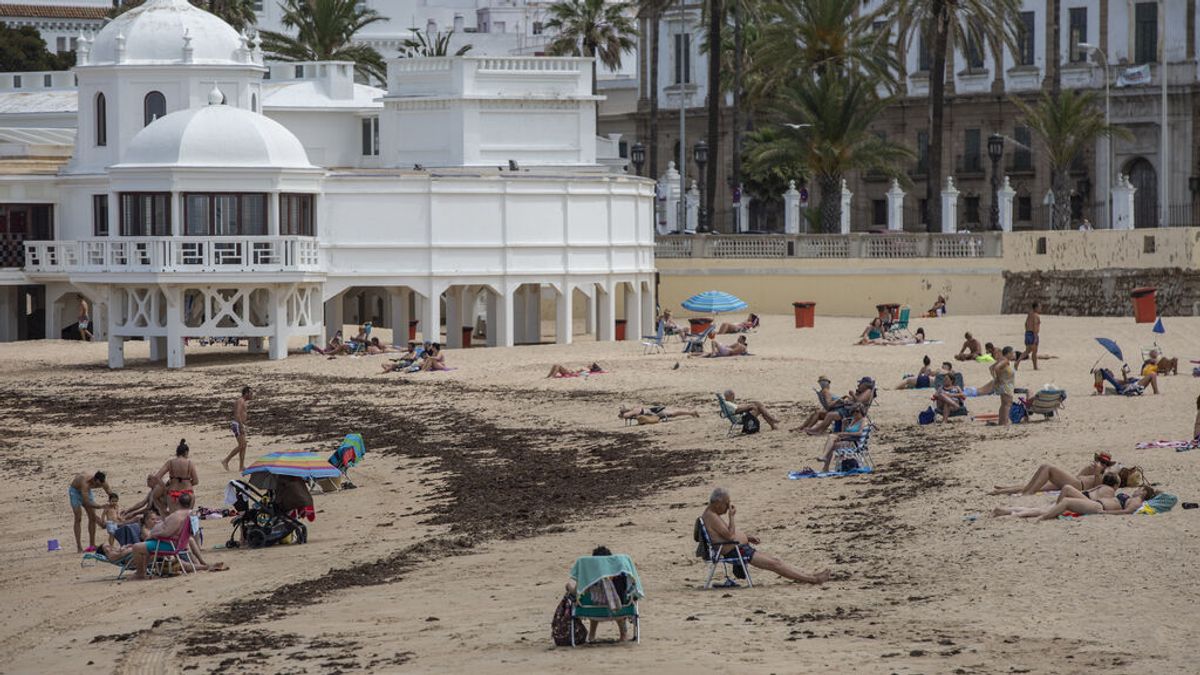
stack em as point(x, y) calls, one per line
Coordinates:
point(262, 519)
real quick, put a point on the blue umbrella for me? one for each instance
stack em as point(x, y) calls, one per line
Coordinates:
point(714, 302)
point(1111, 347)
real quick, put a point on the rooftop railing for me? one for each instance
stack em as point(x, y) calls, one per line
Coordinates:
point(856, 245)
point(175, 254)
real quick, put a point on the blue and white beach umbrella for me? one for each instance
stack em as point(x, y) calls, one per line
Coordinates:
point(714, 302)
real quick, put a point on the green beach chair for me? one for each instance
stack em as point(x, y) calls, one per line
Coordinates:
point(607, 588)
point(727, 412)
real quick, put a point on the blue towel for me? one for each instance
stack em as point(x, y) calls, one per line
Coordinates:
point(797, 475)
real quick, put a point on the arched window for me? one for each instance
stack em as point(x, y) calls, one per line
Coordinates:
point(154, 106)
point(101, 121)
point(253, 102)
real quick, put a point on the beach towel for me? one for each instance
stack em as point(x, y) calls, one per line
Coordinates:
point(985, 358)
point(1177, 445)
point(1160, 503)
point(809, 473)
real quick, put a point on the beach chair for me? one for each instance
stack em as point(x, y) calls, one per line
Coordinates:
point(1046, 402)
point(710, 551)
point(158, 560)
point(607, 588)
point(695, 343)
point(347, 456)
point(654, 342)
point(860, 452)
point(91, 559)
point(899, 328)
point(1131, 389)
point(940, 379)
point(727, 412)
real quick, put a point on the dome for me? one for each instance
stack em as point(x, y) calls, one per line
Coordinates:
point(154, 33)
point(216, 136)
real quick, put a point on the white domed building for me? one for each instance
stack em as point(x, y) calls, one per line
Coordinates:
point(210, 195)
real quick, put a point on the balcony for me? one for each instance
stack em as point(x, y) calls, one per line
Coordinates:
point(175, 254)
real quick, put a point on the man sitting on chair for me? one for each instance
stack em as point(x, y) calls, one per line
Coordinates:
point(160, 538)
point(724, 529)
point(752, 407)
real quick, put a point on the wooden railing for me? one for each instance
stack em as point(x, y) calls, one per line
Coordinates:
point(175, 254)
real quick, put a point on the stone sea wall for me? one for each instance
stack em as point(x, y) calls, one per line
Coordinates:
point(1101, 292)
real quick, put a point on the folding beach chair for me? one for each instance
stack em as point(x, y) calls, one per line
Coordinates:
point(1131, 389)
point(710, 551)
point(695, 343)
point(90, 560)
point(654, 342)
point(940, 379)
point(348, 455)
point(899, 328)
point(179, 551)
point(607, 588)
point(1046, 402)
point(727, 412)
point(860, 451)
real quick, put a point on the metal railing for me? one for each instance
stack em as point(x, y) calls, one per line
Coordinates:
point(175, 254)
point(855, 245)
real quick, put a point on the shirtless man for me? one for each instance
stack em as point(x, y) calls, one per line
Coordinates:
point(85, 322)
point(154, 501)
point(970, 349)
point(753, 407)
point(160, 537)
point(1033, 326)
point(724, 529)
point(82, 499)
point(238, 426)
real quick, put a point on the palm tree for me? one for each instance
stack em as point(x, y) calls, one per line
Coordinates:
point(1066, 124)
point(716, 18)
point(941, 25)
point(651, 11)
point(422, 43)
point(325, 31)
point(824, 124)
point(592, 28)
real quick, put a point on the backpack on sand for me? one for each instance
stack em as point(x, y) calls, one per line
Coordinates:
point(563, 623)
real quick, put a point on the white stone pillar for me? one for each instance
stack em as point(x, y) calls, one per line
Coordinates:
point(454, 313)
point(895, 208)
point(649, 310)
point(1006, 205)
point(175, 327)
point(847, 196)
point(1122, 206)
point(335, 316)
point(743, 210)
point(255, 345)
point(116, 343)
point(158, 348)
point(633, 311)
point(491, 310)
point(564, 319)
point(398, 299)
point(431, 317)
point(279, 323)
point(668, 200)
point(950, 207)
point(589, 319)
point(791, 209)
point(501, 317)
point(606, 300)
point(533, 314)
point(693, 207)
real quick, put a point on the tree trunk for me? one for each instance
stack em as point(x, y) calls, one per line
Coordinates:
point(1060, 213)
point(590, 50)
point(655, 22)
point(831, 203)
point(1053, 58)
point(937, 106)
point(716, 17)
point(736, 117)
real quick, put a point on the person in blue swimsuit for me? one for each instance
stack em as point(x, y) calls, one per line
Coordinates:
point(921, 380)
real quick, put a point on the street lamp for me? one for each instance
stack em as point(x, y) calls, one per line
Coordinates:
point(995, 150)
point(700, 154)
point(1107, 114)
point(638, 154)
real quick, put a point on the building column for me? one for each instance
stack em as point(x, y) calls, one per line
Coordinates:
point(589, 320)
point(398, 298)
point(158, 348)
point(564, 320)
point(606, 300)
point(533, 314)
point(501, 324)
point(950, 207)
point(279, 323)
point(431, 317)
point(174, 339)
point(335, 315)
point(649, 311)
point(519, 310)
point(9, 316)
point(633, 311)
point(116, 343)
point(455, 299)
point(256, 345)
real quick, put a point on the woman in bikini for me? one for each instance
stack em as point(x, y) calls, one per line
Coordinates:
point(662, 412)
point(921, 380)
point(181, 473)
point(1104, 500)
point(1048, 478)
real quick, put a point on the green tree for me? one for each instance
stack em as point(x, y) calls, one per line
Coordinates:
point(325, 31)
point(823, 125)
point(237, 13)
point(1065, 124)
point(651, 12)
point(592, 28)
point(971, 26)
point(23, 50)
point(422, 43)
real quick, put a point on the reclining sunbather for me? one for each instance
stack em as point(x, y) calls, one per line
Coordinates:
point(377, 347)
point(717, 350)
point(559, 370)
point(724, 529)
point(1124, 385)
point(662, 412)
point(970, 349)
point(1049, 477)
point(749, 324)
point(863, 394)
point(938, 309)
point(1115, 505)
point(921, 380)
point(670, 326)
point(848, 437)
point(1159, 364)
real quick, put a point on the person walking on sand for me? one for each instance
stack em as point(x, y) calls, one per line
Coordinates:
point(79, 492)
point(85, 322)
point(238, 426)
point(724, 529)
point(1033, 327)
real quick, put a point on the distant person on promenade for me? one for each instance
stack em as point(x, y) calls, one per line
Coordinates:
point(970, 348)
point(238, 427)
point(1033, 327)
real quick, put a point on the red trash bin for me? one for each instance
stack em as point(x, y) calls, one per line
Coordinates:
point(1145, 304)
point(620, 329)
point(467, 330)
point(412, 329)
point(805, 314)
point(699, 325)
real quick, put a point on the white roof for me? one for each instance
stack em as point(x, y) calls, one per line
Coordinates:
point(216, 136)
point(37, 136)
point(58, 101)
point(154, 33)
point(309, 94)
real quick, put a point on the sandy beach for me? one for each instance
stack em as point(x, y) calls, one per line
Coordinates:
point(482, 485)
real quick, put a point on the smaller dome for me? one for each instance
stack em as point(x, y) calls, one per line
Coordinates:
point(216, 136)
point(157, 31)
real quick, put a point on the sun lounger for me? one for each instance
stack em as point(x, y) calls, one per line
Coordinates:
point(695, 343)
point(710, 551)
point(607, 588)
point(90, 560)
point(654, 342)
point(1046, 402)
point(899, 329)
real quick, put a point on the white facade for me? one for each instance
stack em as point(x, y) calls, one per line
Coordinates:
point(269, 208)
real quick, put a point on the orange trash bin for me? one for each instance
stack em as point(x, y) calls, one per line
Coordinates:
point(1145, 304)
point(699, 325)
point(805, 314)
point(620, 329)
point(412, 329)
point(466, 335)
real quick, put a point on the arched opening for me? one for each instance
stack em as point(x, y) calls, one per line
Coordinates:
point(101, 120)
point(154, 106)
point(1145, 201)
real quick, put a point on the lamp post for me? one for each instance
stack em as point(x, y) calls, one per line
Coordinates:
point(700, 154)
point(1107, 121)
point(995, 150)
point(638, 154)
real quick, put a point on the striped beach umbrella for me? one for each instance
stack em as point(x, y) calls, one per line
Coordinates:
point(714, 302)
point(296, 463)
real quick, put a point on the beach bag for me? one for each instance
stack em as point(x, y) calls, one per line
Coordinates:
point(848, 464)
point(750, 424)
point(647, 419)
point(926, 416)
point(563, 624)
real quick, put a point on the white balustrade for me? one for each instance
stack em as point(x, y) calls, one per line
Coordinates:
point(749, 247)
point(858, 245)
point(175, 254)
point(673, 247)
point(893, 246)
point(818, 246)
